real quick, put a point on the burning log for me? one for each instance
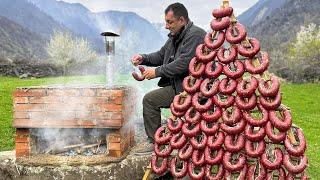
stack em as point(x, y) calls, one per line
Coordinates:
point(56, 150)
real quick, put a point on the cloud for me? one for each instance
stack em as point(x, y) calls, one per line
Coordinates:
point(153, 11)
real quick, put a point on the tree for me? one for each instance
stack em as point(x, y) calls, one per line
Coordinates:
point(66, 51)
point(304, 55)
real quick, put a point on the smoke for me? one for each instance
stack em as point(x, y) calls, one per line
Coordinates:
point(63, 105)
point(54, 140)
point(129, 43)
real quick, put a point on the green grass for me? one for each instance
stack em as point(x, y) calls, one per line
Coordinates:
point(7, 85)
point(303, 99)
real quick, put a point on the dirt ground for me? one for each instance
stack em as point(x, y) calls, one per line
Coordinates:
point(44, 167)
point(130, 167)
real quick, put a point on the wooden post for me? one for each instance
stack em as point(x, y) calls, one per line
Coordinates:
point(147, 173)
point(225, 3)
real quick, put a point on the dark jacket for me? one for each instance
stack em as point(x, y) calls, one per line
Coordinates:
point(174, 57)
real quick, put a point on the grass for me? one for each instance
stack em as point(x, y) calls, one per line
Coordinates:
point(303, 99)
point(7, 85)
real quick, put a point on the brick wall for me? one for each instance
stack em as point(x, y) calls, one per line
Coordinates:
point(22, 140)
point(72, 107)
point(75, 107)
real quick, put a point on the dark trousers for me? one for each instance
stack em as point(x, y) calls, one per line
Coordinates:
point(152, 104)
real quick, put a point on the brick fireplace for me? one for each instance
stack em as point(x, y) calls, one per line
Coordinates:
point(103, 115)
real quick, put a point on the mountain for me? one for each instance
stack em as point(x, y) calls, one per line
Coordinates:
point(17, 42)
point(259, 11)
point(73, 15)
point(30, 17)
point(132, 28)
point(280, 28)
point(86, 23)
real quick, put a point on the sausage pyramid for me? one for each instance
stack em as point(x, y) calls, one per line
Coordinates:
point(229, 121)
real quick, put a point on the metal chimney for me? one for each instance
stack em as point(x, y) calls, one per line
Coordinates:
point(109, 38)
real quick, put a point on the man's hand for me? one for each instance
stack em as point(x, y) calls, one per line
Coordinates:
point(150, 73)
point(136, 59)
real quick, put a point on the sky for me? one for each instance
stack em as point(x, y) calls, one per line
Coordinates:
point(153, 10)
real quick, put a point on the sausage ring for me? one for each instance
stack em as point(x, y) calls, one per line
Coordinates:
point(210, 176)
point(264, 64)
point(234, 74)
point(295, 169)
point(159, 170)
point(164, 153)
point(296, 150)
point(270, 103)
point(190, 130)
point(223, 103)
point(178, 173)
point(215, 141)
point(204, 54)
point(220, 13)
point(161, 137)
point(200, 107)
point(276, 164)
point(220, 24)
point(213, 159)
point(139, 77)
point(209, 128)
point(232, 54)
point(276, 138)
point(175, 112)
point(232, 117)
point(197, 157)
point(246, 88)
point(185, 152)
point(233, 167)
point(174, 125)
point(214, 41)
point(240, 36)
point(256, 122)
point(254, 136)
point(181, 106)
point(227, 86)
point(191, 85)
point(250, 52)
point(284, 123)
point(196, 144)
point(178, 141)
point(246, 105)
point(213, 69)
point(209, 87)
point(193, 174)
point(234, 143)
point(257, 151)
point(192, 116)
point(234, 129)
point(196, 73)
point(269, 90)
point(212, 115)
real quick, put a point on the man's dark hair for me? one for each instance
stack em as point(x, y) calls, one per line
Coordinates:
point(178, 10)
